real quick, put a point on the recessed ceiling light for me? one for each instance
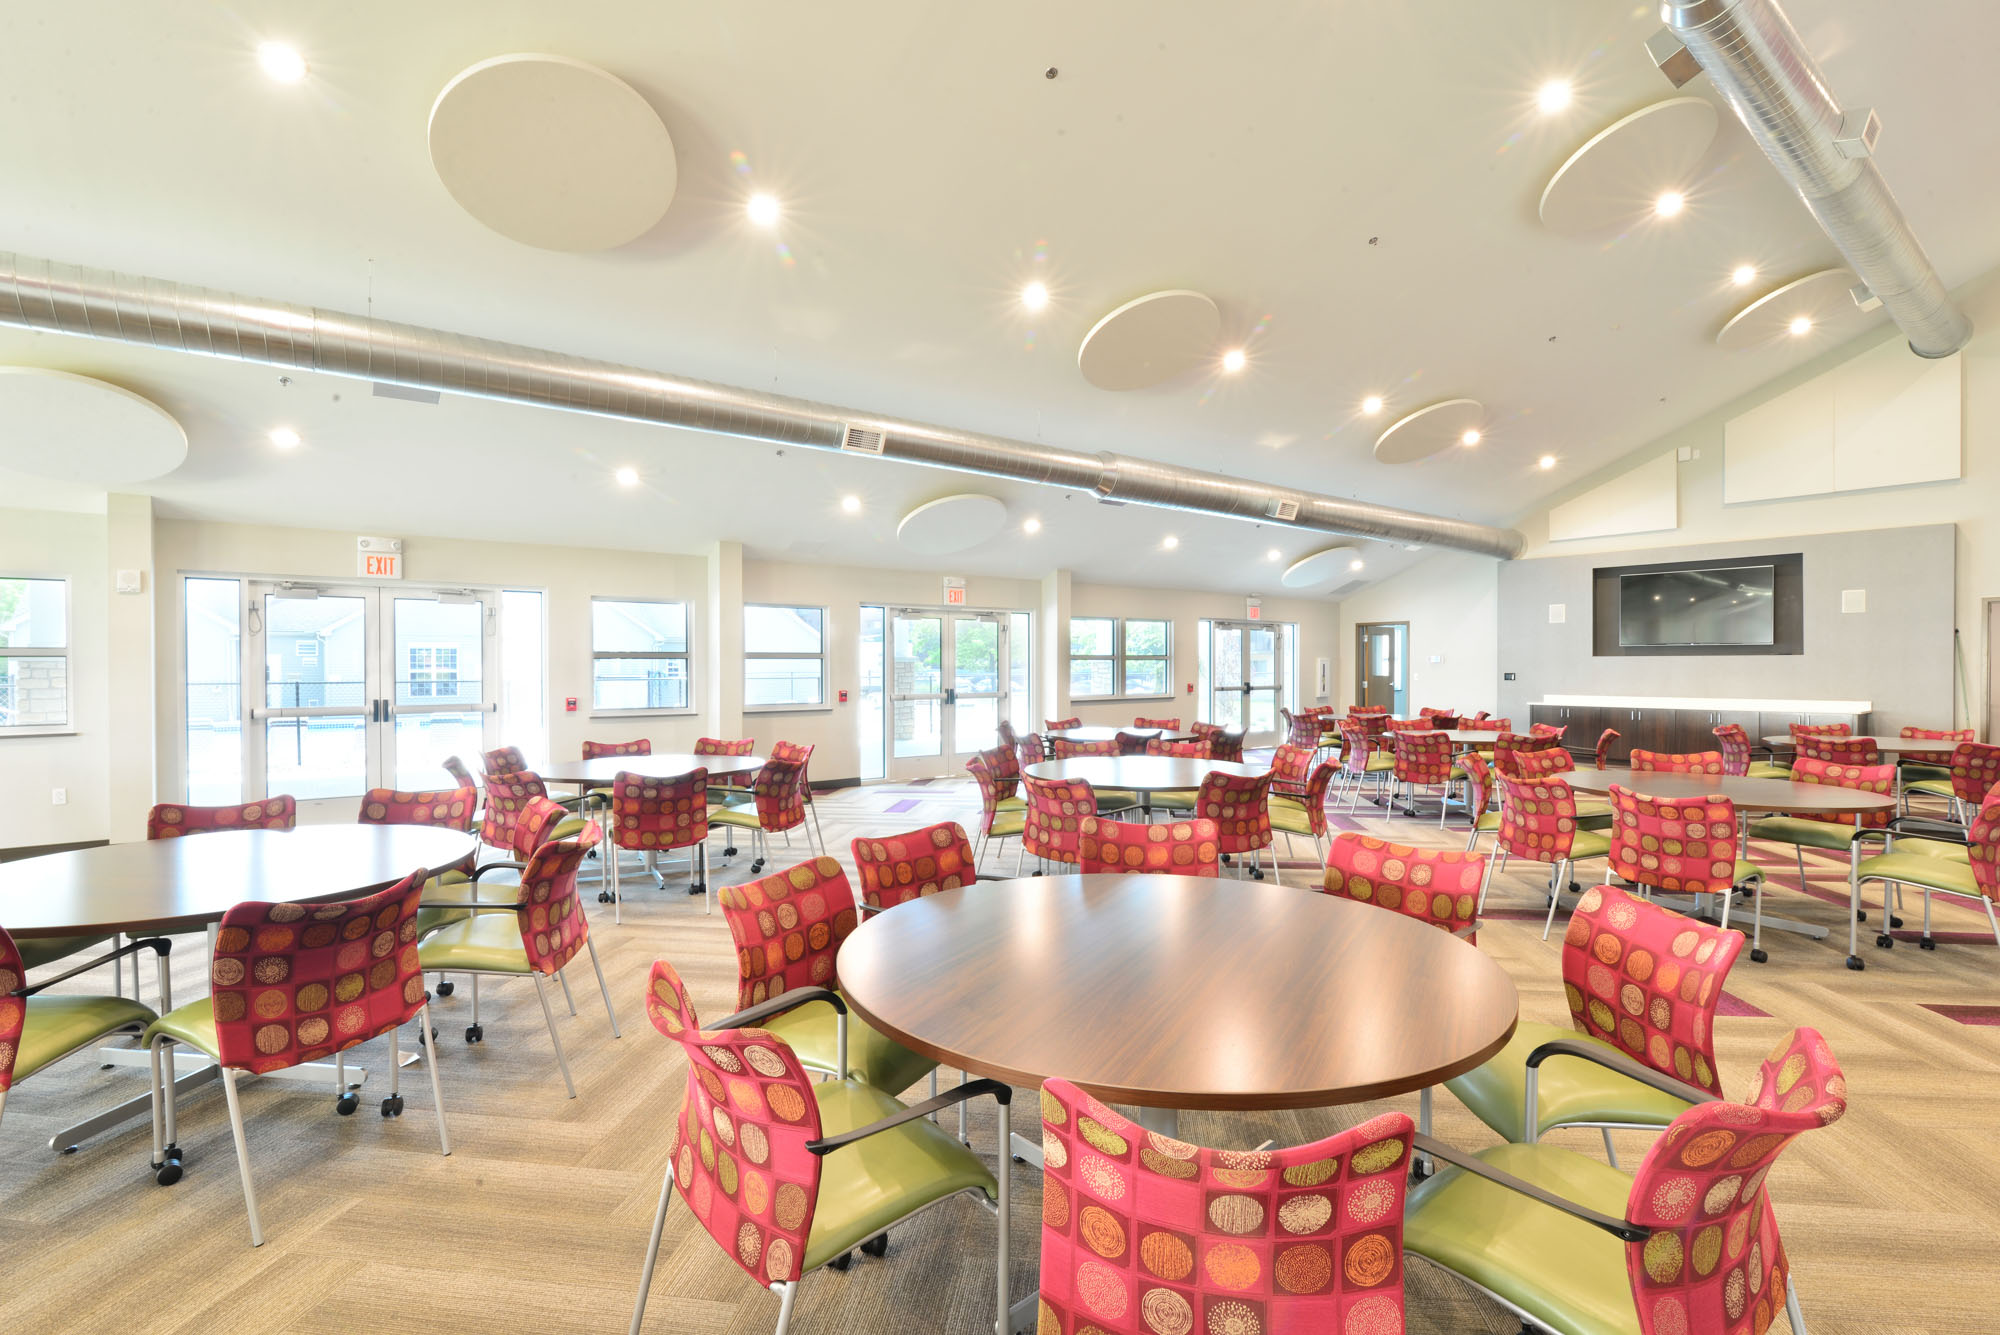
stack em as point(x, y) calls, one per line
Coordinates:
point(1274, 555)
point(1355, 564)
point(1471, 437)
point(1170, 542)
point(1669, 204)
point(851, 504)
point(627, 477)
point(1234, 360)
point(1031, 526)
point(1800, 326)
point(284, 437)
point(1553, 96)
point(281, 62)
point(763, 209)
point(1547, 461)
point(1413, 547)
point(1035, 296)
point(1743, 275)
point(1371, 405)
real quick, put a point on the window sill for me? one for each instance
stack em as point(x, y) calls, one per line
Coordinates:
point(788, 709)
point(37, 732)
point(641, 713)
point(1118, 699)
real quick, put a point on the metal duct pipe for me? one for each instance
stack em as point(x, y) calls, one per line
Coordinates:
point(151, 312)
point(1751, 52)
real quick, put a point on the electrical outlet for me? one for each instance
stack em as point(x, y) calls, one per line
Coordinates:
point(58, 797)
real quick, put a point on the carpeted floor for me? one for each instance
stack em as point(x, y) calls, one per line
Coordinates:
point(538, 1219)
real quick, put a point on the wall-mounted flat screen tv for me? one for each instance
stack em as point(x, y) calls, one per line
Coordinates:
point(1710, 605)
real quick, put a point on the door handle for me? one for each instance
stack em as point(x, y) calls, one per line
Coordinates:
point(951, 695)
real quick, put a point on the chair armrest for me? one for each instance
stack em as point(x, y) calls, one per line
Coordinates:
point(1944, 832)
point(159, 945)
point(1618, 1228)
point(971, 1089)
point(1619, 1062)
point(478, 872)
point(778, 1005)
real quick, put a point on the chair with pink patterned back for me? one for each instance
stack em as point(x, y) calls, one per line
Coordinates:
point(1303, 732)
point(1291, 770)
point(534, 934)
point(1222, 744)
point(1359, 759)
point(1132, 743)
point(445, 808)
point(1547, 730)
point(1485, 724)
point(1198, 750)
point(1971, 872)
point(1668, 762)
point(1005, 766)
point(802, 753)
point(1002, 811)
point(777, 805)
point(1353, 710)
point(1839, 750)
point(1832, 832)
point(1682, 846)
point(654, 815)
point(1481, 798)
point(1691, 1235)
point(1975, 768)
point(1538, 822)
point(459, 773)
point(598, 750)
point(507, 796)
point(1430, 712)
point(1031, 750)
point(1737, 758)
point(1174, 848)
point(1604, 743)
point(1169, 724)
point(1423, 760)
point(898, 868)
point(1306, 813)
point(1799, 730)
point(171, 820)
point(1240, 808)
point(1054, 818)
point(37, 1031)
point(291, 984)
point(1433, 885)
point(1930, 764)
point(1142, 1233)
point(504, 760)
point(738, 783)
point(793, 1174)
point(1062, 748)
point(1509, 746)
point(1059, 724)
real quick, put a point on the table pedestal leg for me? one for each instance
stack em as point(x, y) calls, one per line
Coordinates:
point(1166, 1121)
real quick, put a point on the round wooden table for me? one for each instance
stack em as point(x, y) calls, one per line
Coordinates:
point(1457, 736)
point(184, 884)
point(1761, 795)
point(1888, 746)
point(1094, 734)
point(1140, 774)
point(604, 771)
point(1172, 992)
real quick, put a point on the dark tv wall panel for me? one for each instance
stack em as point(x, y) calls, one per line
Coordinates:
point(1788, 609)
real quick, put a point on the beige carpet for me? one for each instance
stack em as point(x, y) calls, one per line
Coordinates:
point(538, 1220)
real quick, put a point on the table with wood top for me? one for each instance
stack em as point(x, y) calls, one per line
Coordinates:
point(1893, 747)
point(1097, 734)
point(1474, 737)
point(187, 884)
point(1140, 774)
point(603, 772)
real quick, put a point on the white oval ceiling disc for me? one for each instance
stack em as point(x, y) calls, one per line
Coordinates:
point(552, 152)
point(1614, 179)
point(1150, 340)
point(1428, 430)
point(1824, 298)
point(951, 524)
point(1319, 568)
point(78, 429)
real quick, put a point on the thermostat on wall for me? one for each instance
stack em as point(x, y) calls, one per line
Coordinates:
point(1854, 600)
point(1558, 613)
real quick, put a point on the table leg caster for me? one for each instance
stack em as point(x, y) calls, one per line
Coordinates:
point(877, 1245)
point(1885, 941)
point(475, 1033)
point(445, 987)
point(168, 1170)
point(347, 1103)
point(1759, 956)
point(392, 1106)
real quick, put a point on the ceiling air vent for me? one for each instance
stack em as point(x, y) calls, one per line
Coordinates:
point(861, 440)
point(1283, 509)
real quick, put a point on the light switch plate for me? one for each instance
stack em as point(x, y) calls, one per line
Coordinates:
point(1854, 600)
point(1558, 613)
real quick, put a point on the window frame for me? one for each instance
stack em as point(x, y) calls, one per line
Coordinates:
point(64, 652)
point(1118, 657)
point(686, 656)
point(825, 704)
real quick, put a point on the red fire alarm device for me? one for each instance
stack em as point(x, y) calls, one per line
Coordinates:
point(569, 704)
point(1190, 688)
point(843, 697)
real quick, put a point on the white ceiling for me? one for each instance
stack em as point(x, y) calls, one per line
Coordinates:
point(924, 162)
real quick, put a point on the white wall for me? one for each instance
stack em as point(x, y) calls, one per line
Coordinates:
point(73, 547)
point(1451, 602)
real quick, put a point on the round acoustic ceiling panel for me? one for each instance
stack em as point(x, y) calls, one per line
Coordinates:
point(1822, 301)
point(1428, 430)
point(1320, 568)
point(1618, 175)
point(552, 152)
point(951, 524)
point(1150, 340)
point(83, 430)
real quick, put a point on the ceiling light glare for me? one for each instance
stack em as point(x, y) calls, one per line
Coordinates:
point(1743, 275)
point(1035, 296)
point(1553, 96)
point(1170, 542)
point(284, 438)
point(763, 210)
point(1800, 326)
point(1234, 360)
point(1371, 405)
point(1274, 555)
point(1471, 437)
point(281, 62)
point(1355, 564)
point(627, 477)
point(851, 504)
point(1670, 204)
point(1031, 526)
point(1547, 462)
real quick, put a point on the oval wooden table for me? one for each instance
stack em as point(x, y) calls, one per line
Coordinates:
point(604, 771)
point(1178, 992)
point(1096, 734)
point(1888, 746)
point(1458, 736)
point(1140, 774)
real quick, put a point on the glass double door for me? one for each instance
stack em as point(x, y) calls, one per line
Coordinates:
point(1246, 679)
point(362, 687)
point(950, 683)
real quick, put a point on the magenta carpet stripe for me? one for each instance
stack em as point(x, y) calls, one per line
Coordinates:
point(907, 804)
point(1980, 1015)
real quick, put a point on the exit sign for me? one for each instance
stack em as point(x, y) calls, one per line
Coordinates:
point(379, 558)
point(954, 591)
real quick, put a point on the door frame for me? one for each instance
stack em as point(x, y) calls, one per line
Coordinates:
point(1402, 692)
point(903, 769)
point(1279, 674)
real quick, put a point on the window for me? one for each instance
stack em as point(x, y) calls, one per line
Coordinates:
point(523, 713)
point(433, 672)
point(639, 661)
point(784, 657)
point(212, 640)
point(34, 655)
point(869, 717)
point(1111, 658)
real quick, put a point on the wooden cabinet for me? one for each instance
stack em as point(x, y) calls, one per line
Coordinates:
point(1673, 730)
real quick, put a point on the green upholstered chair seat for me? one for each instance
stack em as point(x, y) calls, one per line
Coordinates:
point(1014, 803)
point(1935, 787)
point(1927, 774)
point(1381, 760)
point(59, 1025)
point(460, 888)
point(1810, 833)
point(39, 950)
point(1490, 821)
point(1747, 872)
point(1589, 844)
point(741, 813)
point(1290, 815)
point(1935, 848)
point(192, 1024)
point(1111, 800)
point(1917, 869)
point(869, 1185)
point(1180, 799)
point(1565, 1274)
point(566, 828)
point(1588, 807)
point(1570, 1091)
point(483, 943)
point(1007, 822)
point(880, 1061)
point(1763, 769)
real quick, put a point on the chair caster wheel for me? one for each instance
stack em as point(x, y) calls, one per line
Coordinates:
point(347, 1103)
point(1895, 922)
point(841, 1262)
point(700, 889)
point(1420, 1170)
point(1885, 941)
point(877, 1245)
point(730, 851)
point(392, 1106)
point(1759, 956)
point(604, 896)
point(1926, 943)
point(1854, 963)
point(168, 1170)
point(446, 987)
point(475, 1033)
point(1256, 873)
point(757, 866)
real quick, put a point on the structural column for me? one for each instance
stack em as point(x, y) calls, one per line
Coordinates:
point(130, 716)
point(722, 642)
point(1051, 663)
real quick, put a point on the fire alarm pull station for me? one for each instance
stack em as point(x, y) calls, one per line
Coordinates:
point(569, 704)
point(843, 697)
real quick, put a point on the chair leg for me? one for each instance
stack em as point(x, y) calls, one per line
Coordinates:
point(602, 986)
point(963, 1139)
point(1610, 1150)
point(430, 1064)
point(813, 811)
point(1005, 1219)
point(653, 1247)
point(242, 1155)
point(617, 895)
point(1277, 869)
point(1792, 1312)
point(787, 1295)
point(542, 995)
point(1799, 853)
point(1558, 882)
point(562, 976)
point(707, 886)
point(1485, 884)
point(1992, 919)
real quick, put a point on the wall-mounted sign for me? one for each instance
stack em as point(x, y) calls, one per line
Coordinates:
point(954, 591)
point(379, 558)
point(1253, 608)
